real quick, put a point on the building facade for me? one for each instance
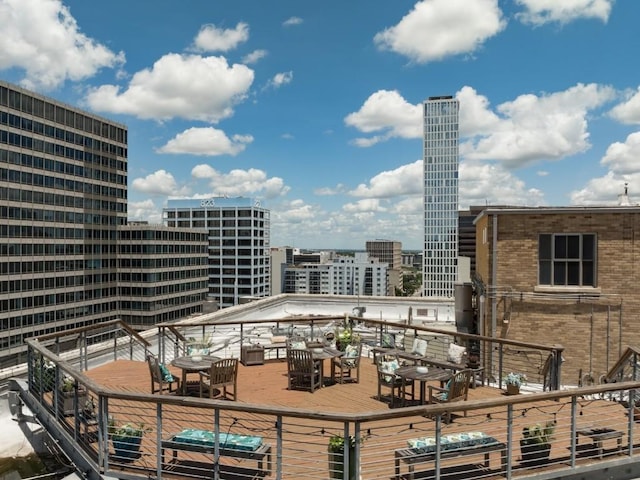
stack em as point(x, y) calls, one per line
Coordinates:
point(162, 273)
point(440, 258)
point(239, 251)
point(389, 252)
point(565, 276)
point(63, 195)
point(343, 275)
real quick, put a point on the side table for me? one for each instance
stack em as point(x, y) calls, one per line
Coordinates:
point(252, 355)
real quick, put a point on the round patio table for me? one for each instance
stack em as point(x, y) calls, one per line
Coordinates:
point(192, 364)
point(411, 372)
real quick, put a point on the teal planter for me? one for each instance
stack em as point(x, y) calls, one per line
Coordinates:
point(126, 448)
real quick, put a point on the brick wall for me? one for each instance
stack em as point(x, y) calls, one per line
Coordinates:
point(594, 331)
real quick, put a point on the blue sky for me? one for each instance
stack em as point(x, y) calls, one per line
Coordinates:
point(315, 107)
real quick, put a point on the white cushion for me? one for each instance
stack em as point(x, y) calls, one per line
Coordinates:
point(351, 351)
point(278, 339)
point(419, 347)
point(456, 352)
point(298, 345)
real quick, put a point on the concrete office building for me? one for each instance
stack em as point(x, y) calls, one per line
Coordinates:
point(63, 213)
point(162, 273)
point(440, 258)
point(389, 252)
point(63, 195)
point(239, 262)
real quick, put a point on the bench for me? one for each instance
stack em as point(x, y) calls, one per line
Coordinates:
point(229, 445)
point(451, 446)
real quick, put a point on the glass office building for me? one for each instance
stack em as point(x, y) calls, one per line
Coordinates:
point(440, 258)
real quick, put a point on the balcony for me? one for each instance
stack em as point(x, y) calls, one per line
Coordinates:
point(594, 427)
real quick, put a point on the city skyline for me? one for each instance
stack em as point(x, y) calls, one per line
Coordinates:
point(317, 111)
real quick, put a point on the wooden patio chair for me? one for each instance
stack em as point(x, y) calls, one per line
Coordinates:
point(455, 390)
point(161, 378)
point(385, 365)
point(342, 366)
point(221, 377)
point(302, 371)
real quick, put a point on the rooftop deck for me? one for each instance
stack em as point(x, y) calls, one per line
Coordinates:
point(296, 427)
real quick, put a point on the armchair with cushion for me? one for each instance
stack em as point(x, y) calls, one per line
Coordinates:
point(302, 371)
point(161, 377)
point(221, 377)
point(348, 362)
point(386, 366)
point(456, 389)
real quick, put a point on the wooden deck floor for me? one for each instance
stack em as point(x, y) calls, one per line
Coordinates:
point(267, 385)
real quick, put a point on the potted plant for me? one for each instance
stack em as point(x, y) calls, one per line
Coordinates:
point(126, 439)
point(67, 395)
point(196, 348)
point(513, 382)
point(44, 375)
point(336, 456)
point(535, 444)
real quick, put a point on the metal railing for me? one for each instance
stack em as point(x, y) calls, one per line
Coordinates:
point(590, 426)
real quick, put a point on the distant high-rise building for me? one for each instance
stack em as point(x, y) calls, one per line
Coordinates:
point(440, 258)
point(389, 252)
point(239, 252)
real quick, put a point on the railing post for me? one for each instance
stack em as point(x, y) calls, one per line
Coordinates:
point(346, 460)
point(438, 445)
point(573, 428)
point(509, 440)
point(159, 451)
point(500, 359)
point(630, 419)
point(216, 445)
point(279, 447)
point(356, 459)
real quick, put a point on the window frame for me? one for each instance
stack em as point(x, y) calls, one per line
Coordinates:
point(568, 260)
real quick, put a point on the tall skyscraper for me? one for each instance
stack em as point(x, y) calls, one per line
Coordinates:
point(440, 258)
point(239, 251)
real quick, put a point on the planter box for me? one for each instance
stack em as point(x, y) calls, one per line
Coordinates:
point(252, 355)
point(66, 402)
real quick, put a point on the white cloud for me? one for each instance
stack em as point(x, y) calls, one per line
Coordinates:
point(622, 158)
point(436, 29)
point(549, 126)
point(240, 182)
point(213, 39)
point(287, 136)
point(485, 183)
point(539, 12)
point(187, 86)
point(386, 111)
point(144, 210)
point(206, 141)
point(327, 191)
point(289, 22)
point(42, 38)
point(404, 180)
point(296, 212)
point(254, 56)
point(605, 190)
point(364, 205)
point(628, 111)
point(280, 79)
point(160, 182)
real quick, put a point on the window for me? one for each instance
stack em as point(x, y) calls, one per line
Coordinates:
point(567, 259)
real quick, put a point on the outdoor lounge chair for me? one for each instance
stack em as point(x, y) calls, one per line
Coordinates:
point(221, 377)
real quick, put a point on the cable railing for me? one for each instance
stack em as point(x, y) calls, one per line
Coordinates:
point(129, 434)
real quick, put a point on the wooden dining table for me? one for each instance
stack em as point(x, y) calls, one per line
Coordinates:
point(417, 373)
point(320, 354)
point(192, 364)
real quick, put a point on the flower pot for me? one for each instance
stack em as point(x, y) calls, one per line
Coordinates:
point(126, 448)
point(336, 464)
point(534, 453)
point(66, 401)
point(513, 389)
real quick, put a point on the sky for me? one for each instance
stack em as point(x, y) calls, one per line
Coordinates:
point(315, 108)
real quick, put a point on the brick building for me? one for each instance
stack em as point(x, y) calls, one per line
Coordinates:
point(565, 275)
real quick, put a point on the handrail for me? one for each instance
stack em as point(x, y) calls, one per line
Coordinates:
point(75, 331)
